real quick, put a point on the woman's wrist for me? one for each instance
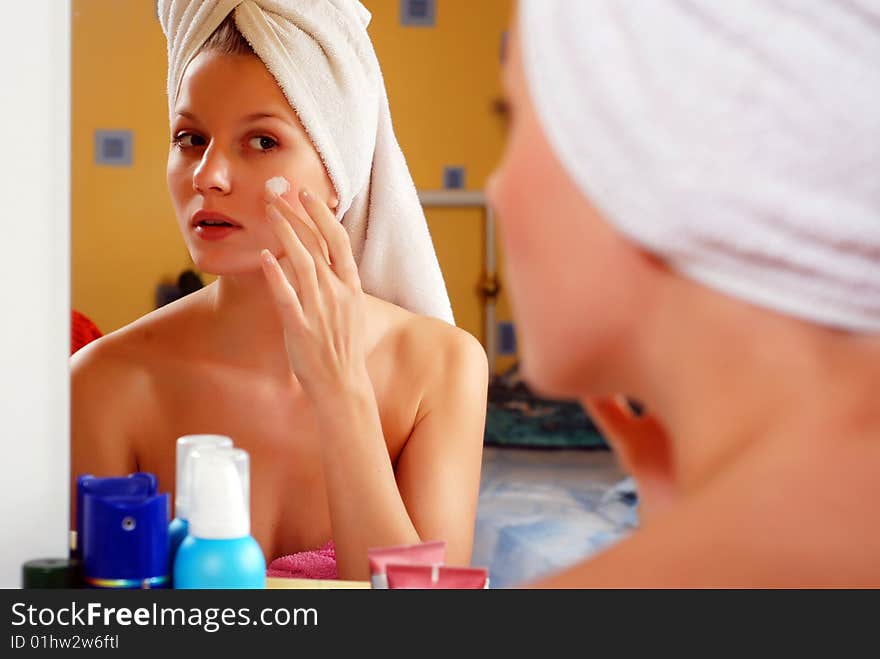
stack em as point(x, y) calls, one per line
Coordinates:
point(349, 401)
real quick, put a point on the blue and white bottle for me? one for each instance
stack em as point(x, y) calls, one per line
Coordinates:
point(179, 526)
point(219, 551)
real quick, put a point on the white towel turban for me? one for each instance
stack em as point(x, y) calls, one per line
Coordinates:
point(320, 54)
point(738, 140)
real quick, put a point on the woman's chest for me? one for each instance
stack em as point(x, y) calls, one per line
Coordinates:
point(278, 428)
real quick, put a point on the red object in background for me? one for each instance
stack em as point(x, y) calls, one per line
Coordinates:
point(83, 331)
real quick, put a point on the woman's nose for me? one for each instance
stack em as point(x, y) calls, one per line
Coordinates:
point(213, 173)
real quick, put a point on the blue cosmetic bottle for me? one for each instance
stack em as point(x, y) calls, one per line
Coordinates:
point(139, 484)
point(219, 551)
point(186, 444)
point(123, 536)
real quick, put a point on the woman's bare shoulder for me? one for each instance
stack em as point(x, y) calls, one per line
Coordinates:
point(429, 345)
point(126, 357)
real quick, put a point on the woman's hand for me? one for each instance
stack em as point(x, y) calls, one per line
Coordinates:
point(642, 445)
point(317, 290)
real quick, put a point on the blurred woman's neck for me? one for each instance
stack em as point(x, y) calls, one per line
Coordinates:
point(728, 378)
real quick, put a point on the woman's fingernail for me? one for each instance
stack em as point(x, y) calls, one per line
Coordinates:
point(305, 194)
point(266, 256)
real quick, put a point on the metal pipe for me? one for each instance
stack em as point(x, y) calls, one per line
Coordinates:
point(453, 198)
point(489, 285)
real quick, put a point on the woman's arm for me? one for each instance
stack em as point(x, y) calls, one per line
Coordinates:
point(434, 494)
point(98, 442)
point(438, 472)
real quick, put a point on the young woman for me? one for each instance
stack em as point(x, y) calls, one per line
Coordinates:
point(364, 421)
point(691, 217)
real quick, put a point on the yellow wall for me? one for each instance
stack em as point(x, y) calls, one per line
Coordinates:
point(124, 234)
point(441, 83)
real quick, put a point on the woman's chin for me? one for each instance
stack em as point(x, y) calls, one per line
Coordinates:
point(543, 376)
point(227, 266)
point(555, 375)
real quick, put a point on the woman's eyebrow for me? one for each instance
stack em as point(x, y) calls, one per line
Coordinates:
point(256, 116)
point(263, 115)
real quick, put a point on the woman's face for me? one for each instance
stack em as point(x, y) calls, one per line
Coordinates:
point(231, 131)
point(576, 286)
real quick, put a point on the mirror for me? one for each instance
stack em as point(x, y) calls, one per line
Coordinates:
point(128, 257)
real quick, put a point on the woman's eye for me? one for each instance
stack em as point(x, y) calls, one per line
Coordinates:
point(188, 140)
point(262, 143)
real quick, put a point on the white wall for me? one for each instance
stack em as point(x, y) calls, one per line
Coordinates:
point(34, 282)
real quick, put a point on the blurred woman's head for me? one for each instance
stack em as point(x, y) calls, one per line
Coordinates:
point(577, 285)
point(679, 149)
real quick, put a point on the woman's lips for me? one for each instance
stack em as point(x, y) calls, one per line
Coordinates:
point(213, 225)
point(218, 232)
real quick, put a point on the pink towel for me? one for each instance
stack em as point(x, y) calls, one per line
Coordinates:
point(314, 564)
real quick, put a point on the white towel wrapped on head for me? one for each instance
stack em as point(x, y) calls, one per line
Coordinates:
point(738, 140)
point(320, 54)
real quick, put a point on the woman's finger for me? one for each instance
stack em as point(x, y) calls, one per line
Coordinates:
point(606, 412)
point(287, 269)
point(616, 418)
point(304, 227)
point(282, 291)
point(642, 447)
point(338, 243)
point(300, 259)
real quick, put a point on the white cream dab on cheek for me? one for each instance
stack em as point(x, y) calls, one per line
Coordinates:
point(278, 184)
